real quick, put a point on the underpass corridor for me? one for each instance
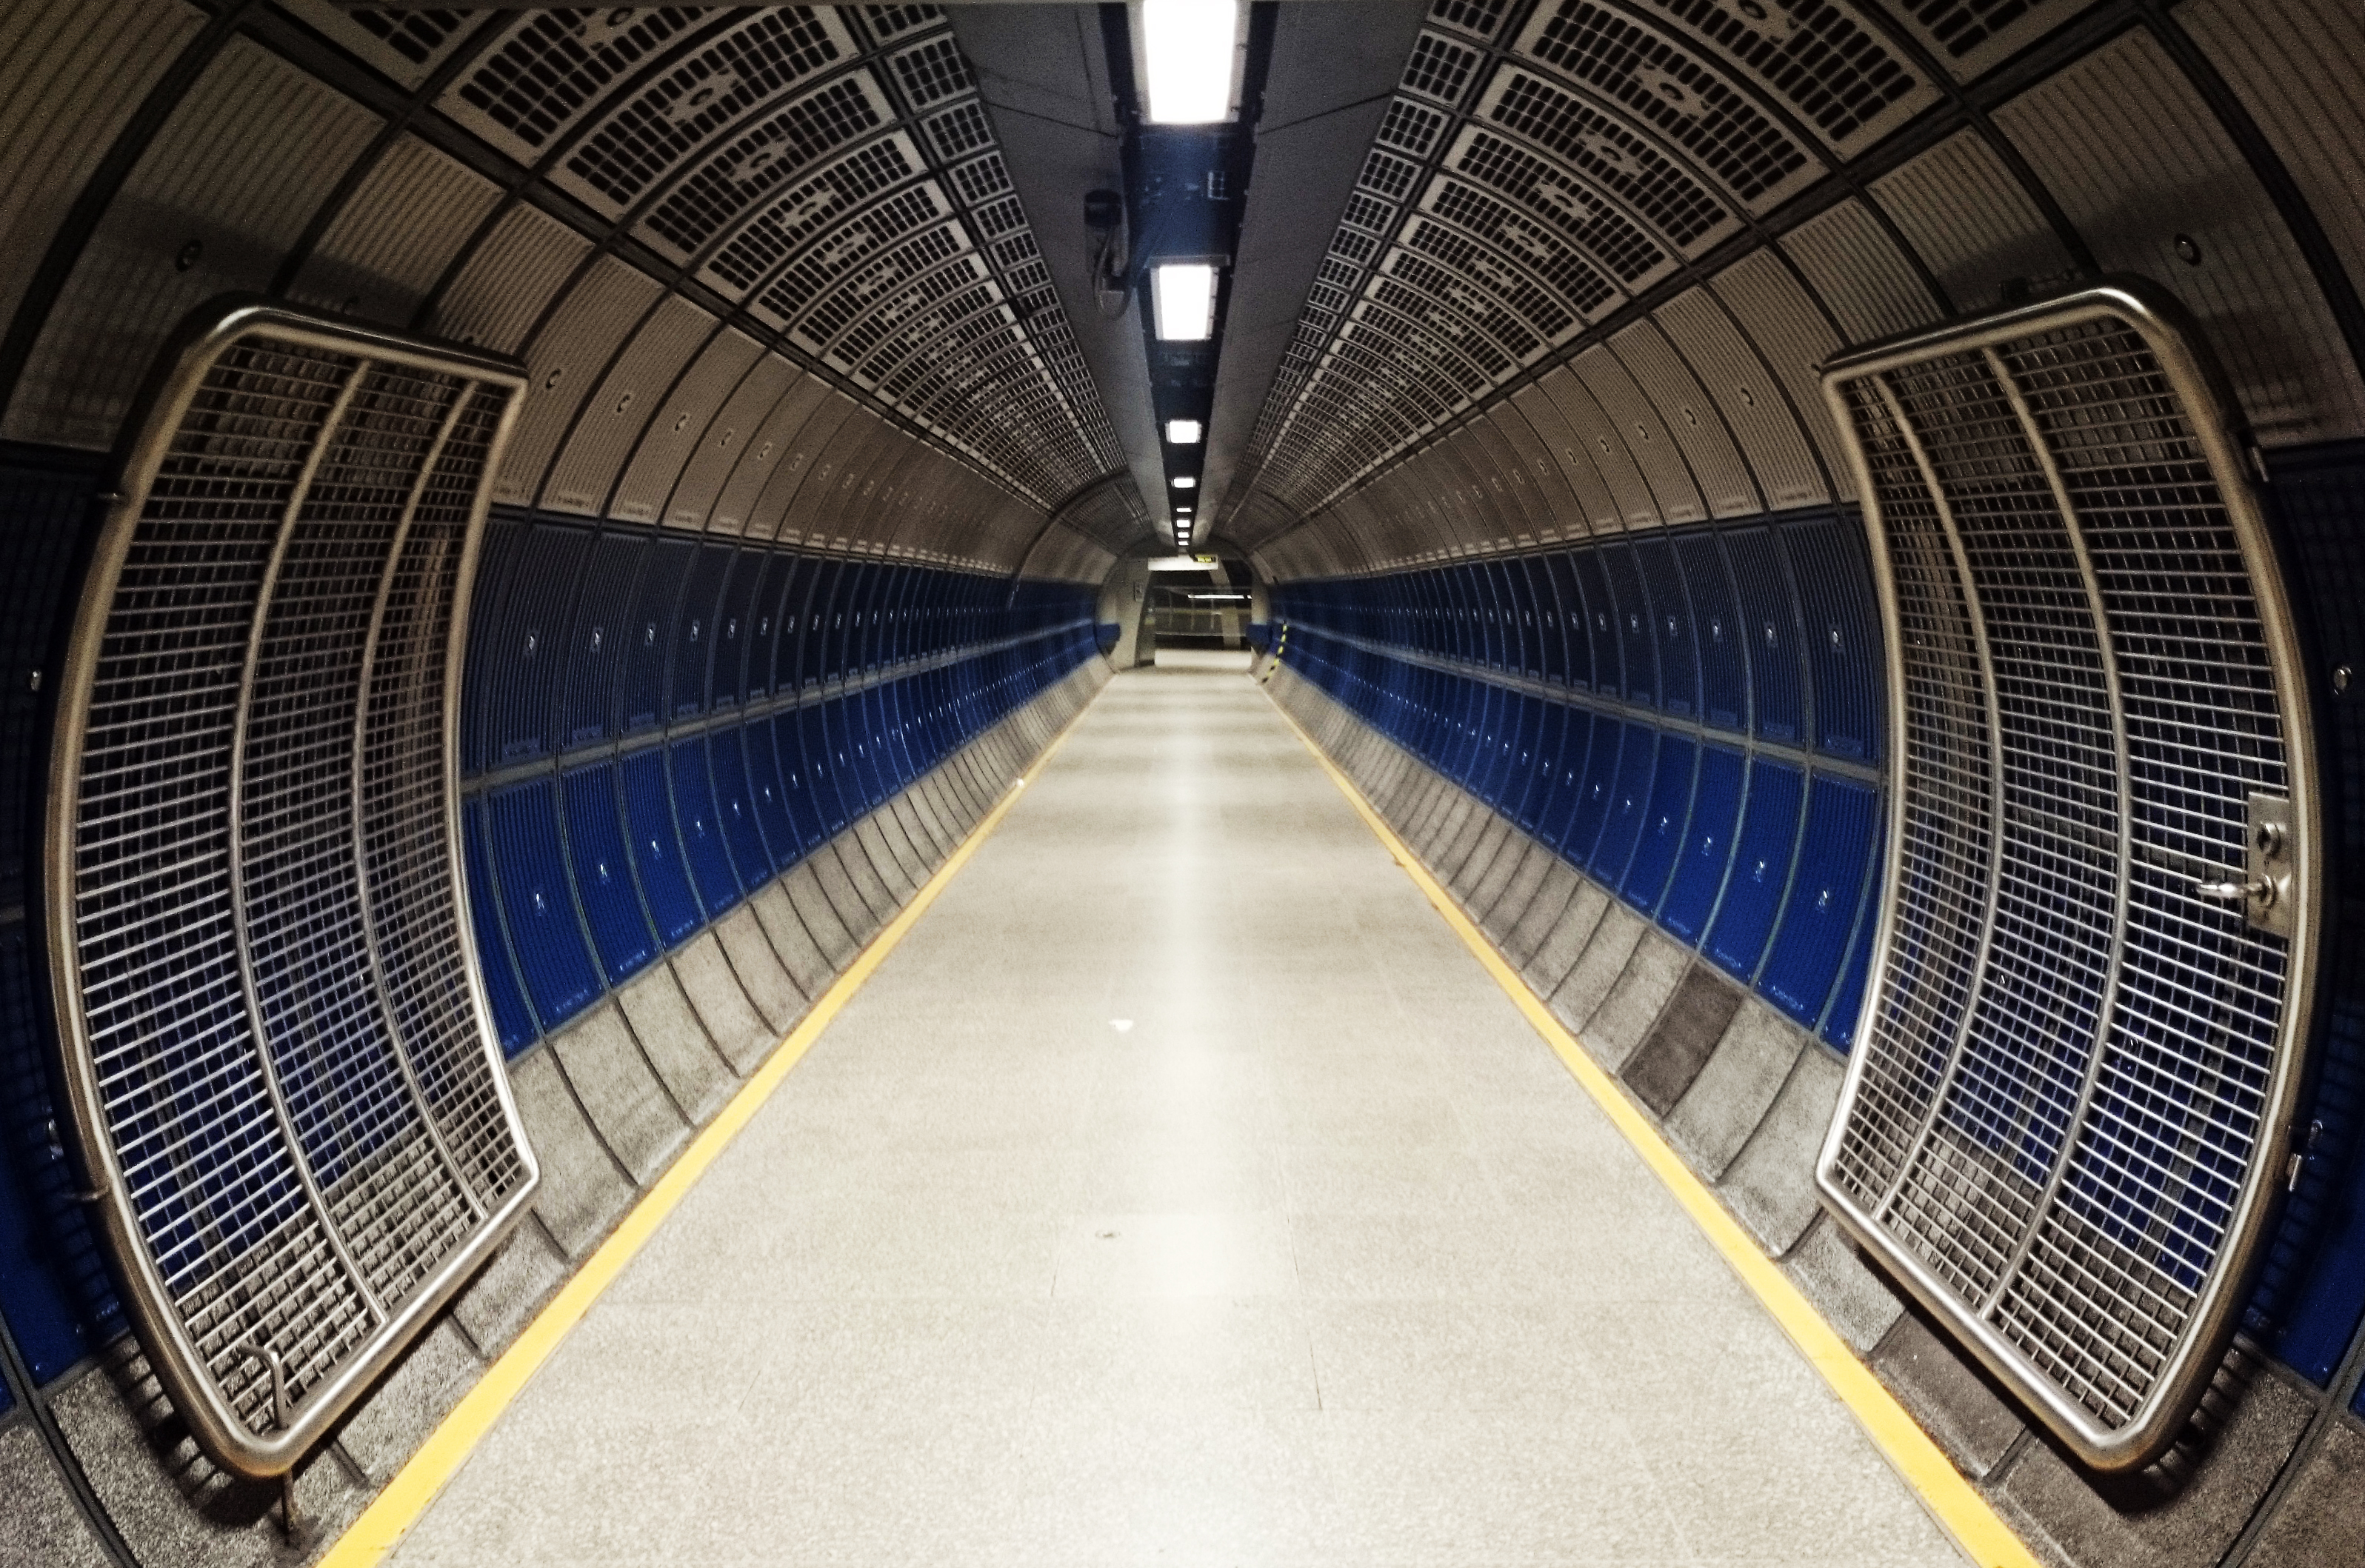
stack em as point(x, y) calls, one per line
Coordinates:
point(1218, 1209)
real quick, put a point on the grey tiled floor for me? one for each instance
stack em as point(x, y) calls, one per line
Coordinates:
point(1323, 1259)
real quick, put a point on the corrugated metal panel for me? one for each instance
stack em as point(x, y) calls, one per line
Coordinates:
point(819, 502)
point(1558, 513)
point(71, 74)
point(811, 467)
point(1792, 336)
point(630, 398)
point(1664, 82)
point(1972, 222)
point(500, 294)
point(1869, 286)
point(1517, 501)
point(1597, 435)
point(2299, 68)
point(757, 456)
point(2140, 164)
point(400, 228)
point(1754, 408)
point(693, 422)
point(1596, 508)
point(565, 355)
point(1652, 447)
point(226, 187)
point(1687, 413)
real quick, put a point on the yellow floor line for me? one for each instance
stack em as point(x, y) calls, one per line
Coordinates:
point(1950, 1499)
point(408, 1496)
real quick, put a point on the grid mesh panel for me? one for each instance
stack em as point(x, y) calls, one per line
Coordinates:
point(2061, 1092)
point(266, 962)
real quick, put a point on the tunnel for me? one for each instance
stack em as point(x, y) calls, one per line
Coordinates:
point(1190, 782)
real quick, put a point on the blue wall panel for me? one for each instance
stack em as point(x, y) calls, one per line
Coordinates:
point(1842, 819)
point(511, 1021)
point(537, 901)
point(1770, 630)
point(596, 639)
point(649, 633)
point(1707, 843)
point(1844, 645)
point(701, 828)
point(1761, 867)
point(602, 870)
point(1663, 821)
point(656, 847)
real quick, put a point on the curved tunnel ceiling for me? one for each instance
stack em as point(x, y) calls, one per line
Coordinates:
point(1599, 248)
point(766, 267)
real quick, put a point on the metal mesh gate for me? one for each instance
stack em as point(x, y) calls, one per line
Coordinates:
point(2066, 1121)
point(275, 1047)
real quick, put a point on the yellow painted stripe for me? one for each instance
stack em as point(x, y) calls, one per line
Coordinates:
point(1950, 1499)
point(407, 1497)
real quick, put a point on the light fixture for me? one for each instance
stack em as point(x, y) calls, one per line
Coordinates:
point(1188, 45)
point(1184, 482)
point(1183, 432)
point(1182, 298)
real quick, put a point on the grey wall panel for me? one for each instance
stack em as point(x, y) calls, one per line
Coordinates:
point(715, 991)
point(499, 293)
point(783, 461)
point(1735, 1088)
point(71, 71)
point(562, 364)
point(705, 412)
point(583, 1189)
point(815, 513)
point(1644, 986)
point(1782, 321)
point(1687, 414)
point(226, 187)
point(1597, 505)
point(675, 1043)
point(1528, 509)
point(1869, 286)
point(1759, 417)
point(401, 227)
point(631, 399)
point(1560, 514)
point(2299, 68)
point(634, 1116)
point(1972, 222)
point(727, 478)
point(757, 962)
point(1599, 436)
point(2139, 163)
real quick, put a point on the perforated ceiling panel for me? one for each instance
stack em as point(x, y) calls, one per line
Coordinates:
point(831, 173)
point(280, 1065)
point(2065, 1120)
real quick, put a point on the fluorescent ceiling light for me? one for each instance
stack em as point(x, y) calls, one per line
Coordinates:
point(1184, 482)
point(1188, 45)
point(1182, 297)
point(1183, 432)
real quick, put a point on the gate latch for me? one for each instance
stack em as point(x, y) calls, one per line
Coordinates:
point(2265, 890)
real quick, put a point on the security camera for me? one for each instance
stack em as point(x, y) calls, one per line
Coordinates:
point(1105, 230)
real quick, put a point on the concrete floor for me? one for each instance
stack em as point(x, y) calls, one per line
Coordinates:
point(1181, 1191)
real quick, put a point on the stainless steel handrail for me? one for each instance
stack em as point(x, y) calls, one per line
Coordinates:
point(199, 346)
point(2209, 415)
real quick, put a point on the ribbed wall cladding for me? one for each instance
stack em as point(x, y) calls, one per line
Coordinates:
point(1714, 767)
point(657, 728)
